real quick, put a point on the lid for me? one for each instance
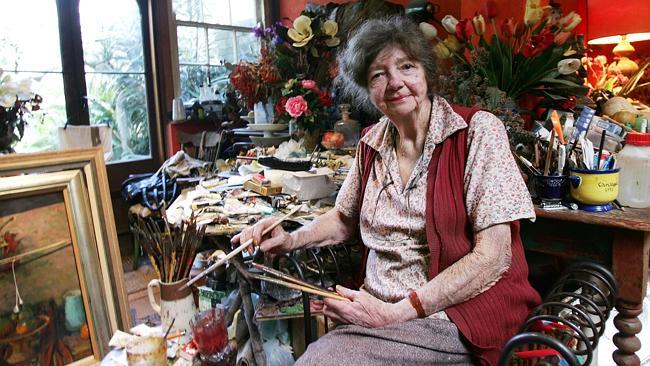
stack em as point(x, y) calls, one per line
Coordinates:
point(639, 139)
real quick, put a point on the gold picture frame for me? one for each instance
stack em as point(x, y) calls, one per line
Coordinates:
point(76, 178)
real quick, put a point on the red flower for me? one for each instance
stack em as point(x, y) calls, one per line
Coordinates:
point(464, 30)
point(538, 43)
point(509, 27)
point(568, 104)
point(325, 99)
point(279, 106)
point(491, 9)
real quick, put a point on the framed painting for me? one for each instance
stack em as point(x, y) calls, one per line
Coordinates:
point(59, 259)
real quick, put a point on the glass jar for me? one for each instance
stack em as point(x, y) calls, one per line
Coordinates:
point(634, 161)
point(348, 127)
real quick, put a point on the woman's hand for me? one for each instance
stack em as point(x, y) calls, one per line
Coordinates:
point(363, 309)
point(279, 242)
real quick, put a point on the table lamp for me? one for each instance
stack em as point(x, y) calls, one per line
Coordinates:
point(619, 23)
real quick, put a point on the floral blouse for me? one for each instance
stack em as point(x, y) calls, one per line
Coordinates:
point(392, 221)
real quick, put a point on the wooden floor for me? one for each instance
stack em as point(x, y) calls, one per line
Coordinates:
point(136, 285)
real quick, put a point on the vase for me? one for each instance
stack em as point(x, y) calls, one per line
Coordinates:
point(264, 111)
point(310, 139)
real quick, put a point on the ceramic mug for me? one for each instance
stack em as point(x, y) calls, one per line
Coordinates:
point(551, 187)
point(174, 304)
point(594, 189)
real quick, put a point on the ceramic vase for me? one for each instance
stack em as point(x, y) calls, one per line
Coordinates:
point(264, 111)
point(175, 303)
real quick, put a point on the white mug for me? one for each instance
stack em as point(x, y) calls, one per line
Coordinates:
point(174, 304)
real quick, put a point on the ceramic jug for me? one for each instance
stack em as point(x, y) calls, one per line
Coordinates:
point(174, 304)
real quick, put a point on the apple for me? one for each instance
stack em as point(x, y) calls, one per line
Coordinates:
point(333, 140)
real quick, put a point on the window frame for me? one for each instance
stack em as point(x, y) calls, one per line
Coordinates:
point(75, 89)
point(260, 16)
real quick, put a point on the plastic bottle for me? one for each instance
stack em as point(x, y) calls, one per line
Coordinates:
point(634, 161)
point(348, 127)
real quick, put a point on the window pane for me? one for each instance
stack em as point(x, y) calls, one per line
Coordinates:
point(40, 133)
point(248, 46)
point(29, 35)
point(112, 36)
point(219, 77)
point(192, 47)
point(243, 13)
point(192, 77)
point(120, 101)
point(202, 11)
point(221, 46)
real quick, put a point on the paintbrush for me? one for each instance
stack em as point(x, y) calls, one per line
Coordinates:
point(238, 250)
point(549, 154)
point(284, 276)
point(557, 126)
point(600, 149)
point(311, 290)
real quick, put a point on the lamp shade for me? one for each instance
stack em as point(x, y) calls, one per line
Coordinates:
point(608, 20)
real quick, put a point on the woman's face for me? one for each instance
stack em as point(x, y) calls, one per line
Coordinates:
point(397, 85)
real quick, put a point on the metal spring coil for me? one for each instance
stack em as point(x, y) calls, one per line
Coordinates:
point(565, 328)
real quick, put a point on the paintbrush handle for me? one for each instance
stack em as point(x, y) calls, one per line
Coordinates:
point(549, 154)
point(284, 276)
point(238, 250)
point(323, 293)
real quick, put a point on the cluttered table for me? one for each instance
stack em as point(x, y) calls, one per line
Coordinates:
point(232, 200)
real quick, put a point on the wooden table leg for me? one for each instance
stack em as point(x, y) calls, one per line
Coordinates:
point(630, 266)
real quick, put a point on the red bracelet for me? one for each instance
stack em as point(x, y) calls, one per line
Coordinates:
point(415, 302)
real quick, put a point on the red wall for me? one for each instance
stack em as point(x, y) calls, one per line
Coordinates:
point(466, 8)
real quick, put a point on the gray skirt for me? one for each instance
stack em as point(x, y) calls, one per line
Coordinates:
point(415, 342)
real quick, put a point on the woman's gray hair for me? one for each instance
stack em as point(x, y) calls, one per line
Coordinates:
point(365, 44)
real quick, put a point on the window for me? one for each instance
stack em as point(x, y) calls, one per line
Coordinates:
point(87, 58)
point(211, 33)
point(31, 51)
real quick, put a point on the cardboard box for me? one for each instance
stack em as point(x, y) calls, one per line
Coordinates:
point(263, 190)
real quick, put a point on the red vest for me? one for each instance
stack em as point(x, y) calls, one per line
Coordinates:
point(489, 319)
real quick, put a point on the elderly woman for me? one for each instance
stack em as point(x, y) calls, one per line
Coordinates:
point(436, 196)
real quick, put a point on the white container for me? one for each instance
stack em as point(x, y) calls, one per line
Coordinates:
point(634, 161)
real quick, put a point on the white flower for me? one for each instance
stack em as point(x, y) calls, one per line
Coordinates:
point(430, 32)
point(449, 23)
point(568, 66)
point(301, 32)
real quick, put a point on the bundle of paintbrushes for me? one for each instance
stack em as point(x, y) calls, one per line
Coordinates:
point(171, 249)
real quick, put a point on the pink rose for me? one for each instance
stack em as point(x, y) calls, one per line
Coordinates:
point(309, 84)
point(296, 106)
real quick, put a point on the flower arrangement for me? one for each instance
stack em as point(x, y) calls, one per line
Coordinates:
point(304, 103)
point(307, 48)
point(536, 56)
point(256, 82)
point(605, 80)
point(16, 100)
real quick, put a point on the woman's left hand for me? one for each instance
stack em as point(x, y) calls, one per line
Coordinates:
point(363, 309)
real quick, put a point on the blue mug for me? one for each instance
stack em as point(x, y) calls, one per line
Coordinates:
point(551, 187)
